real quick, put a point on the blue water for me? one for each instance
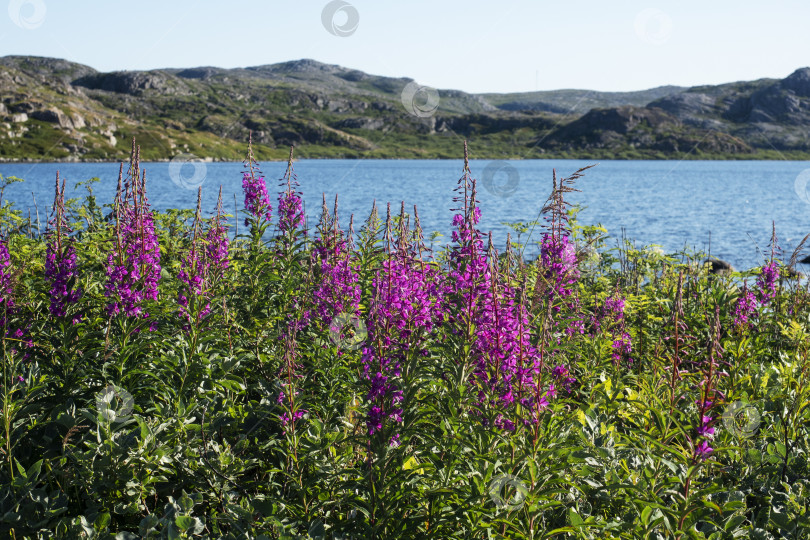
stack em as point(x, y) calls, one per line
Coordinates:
point(725, 206)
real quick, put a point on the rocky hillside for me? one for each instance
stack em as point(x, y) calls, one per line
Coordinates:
point(51, 109)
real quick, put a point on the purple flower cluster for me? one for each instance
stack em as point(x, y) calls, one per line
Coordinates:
point(60, 270)
point(709, 392)
point(290, 210)
point(338, 289)
point(407, 296)
point(563, 377)
point(133, 265)
point(705, 431)
point(257, 202)
point(766, 282)
point(193, 279)
point(6, 284)
point(290, 205)
point(287, 419)
point(506, 367)
point(745, 309)
point(8, 307)
point(703, 450)
point(610, 314)
point(216, 249)
point(292, 415)
point(611, 317)
point(60, 259)
point(622, 347)
point(203, 266)
point(559, 263)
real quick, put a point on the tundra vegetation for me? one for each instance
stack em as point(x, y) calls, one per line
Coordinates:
point(165, 377)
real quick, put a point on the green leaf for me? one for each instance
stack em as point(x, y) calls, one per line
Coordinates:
point(184, 523)
point(645, 515)
point(102, 521)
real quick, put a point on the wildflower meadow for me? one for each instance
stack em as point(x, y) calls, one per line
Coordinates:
point(164, 376)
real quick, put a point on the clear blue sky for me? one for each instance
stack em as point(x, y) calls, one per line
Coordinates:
point(473, 45)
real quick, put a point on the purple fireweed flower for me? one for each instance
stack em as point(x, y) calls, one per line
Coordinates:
point(257, 201)
point(338, 289)
point(614, 305)
point(193, 281)
point(705, 430)
point(60, 258)
point(559, 263)
point(290, 210)
point(374, 419)
point(216, 249)
point(703, 450)
point(507, 363)
point(557, 278)
point(745, 309)
point(6, 282)
point(610, 314)
point(622, 347)
point(562, 376)
point(60, 269)
point(290, 205)
point(504, 423)
point(203, 266)
point(766, 282)
point(288, 420)
point(133, 265)
point(8, 307)
point(405, 307)
point(506, 367)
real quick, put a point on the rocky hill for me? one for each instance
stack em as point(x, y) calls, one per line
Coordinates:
point(52, 109)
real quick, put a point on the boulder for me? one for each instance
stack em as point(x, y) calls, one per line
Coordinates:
point(19, 117)
point(718, 266)
point(805, 260)
point(23, 107)
point(78, 121)
point(54, 116)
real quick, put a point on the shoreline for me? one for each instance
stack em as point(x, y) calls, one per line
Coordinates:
point(6, 161)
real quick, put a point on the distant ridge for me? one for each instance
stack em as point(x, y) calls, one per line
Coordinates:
point(53, 109)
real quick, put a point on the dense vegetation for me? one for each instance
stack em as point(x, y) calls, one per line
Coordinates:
point(164, 379)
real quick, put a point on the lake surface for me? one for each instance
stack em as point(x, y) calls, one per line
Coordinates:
point(675, 204)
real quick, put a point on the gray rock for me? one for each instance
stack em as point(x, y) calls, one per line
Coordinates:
point(54, 116)
point(78, 121)
point(23, 107)
point(202, 73)
point(362, 123)
point(19, 117)
point(127, 82)
point(718, 266)
point(798, 82)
